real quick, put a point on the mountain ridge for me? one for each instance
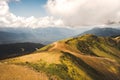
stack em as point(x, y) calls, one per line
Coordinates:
point(86, 57)
point(103, 32)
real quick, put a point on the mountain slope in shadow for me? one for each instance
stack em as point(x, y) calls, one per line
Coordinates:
point(18, 49)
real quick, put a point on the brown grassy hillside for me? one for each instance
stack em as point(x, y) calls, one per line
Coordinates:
point(86, 57)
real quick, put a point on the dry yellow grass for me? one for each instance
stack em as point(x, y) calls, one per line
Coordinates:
point(49, 57)
point(106, 66)
point(15, 72)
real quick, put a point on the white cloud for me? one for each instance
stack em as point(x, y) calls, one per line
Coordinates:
point(85, 12)
point(8, 19)
point(4, 9)
point(65, 13)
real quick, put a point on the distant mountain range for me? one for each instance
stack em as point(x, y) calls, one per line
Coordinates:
point(39, 35)
point(103, 31)
point(49, 34)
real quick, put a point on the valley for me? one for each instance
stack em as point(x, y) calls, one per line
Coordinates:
point(17, 49)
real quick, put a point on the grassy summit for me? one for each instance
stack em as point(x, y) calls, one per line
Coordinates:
point(86, 57)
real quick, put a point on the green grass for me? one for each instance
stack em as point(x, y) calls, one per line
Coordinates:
point(96, 46)
point(57, 70)
point(78, 69)
point(45, 48)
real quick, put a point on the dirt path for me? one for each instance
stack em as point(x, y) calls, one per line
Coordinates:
point(62, 47)
point(55, 45)
point(98, 63)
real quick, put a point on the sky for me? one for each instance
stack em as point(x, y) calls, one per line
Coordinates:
point(59, 13)
point(28, 8)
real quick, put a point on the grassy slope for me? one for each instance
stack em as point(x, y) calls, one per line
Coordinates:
point(16, 72)
point(83, 58)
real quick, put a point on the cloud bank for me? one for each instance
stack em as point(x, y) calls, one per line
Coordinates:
point(72, 13)
point(8, 19)
point(85, 12)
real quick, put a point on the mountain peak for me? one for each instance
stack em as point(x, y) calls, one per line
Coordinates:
point(103, 32)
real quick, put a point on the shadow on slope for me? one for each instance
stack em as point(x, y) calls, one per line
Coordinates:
point(17, 49)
